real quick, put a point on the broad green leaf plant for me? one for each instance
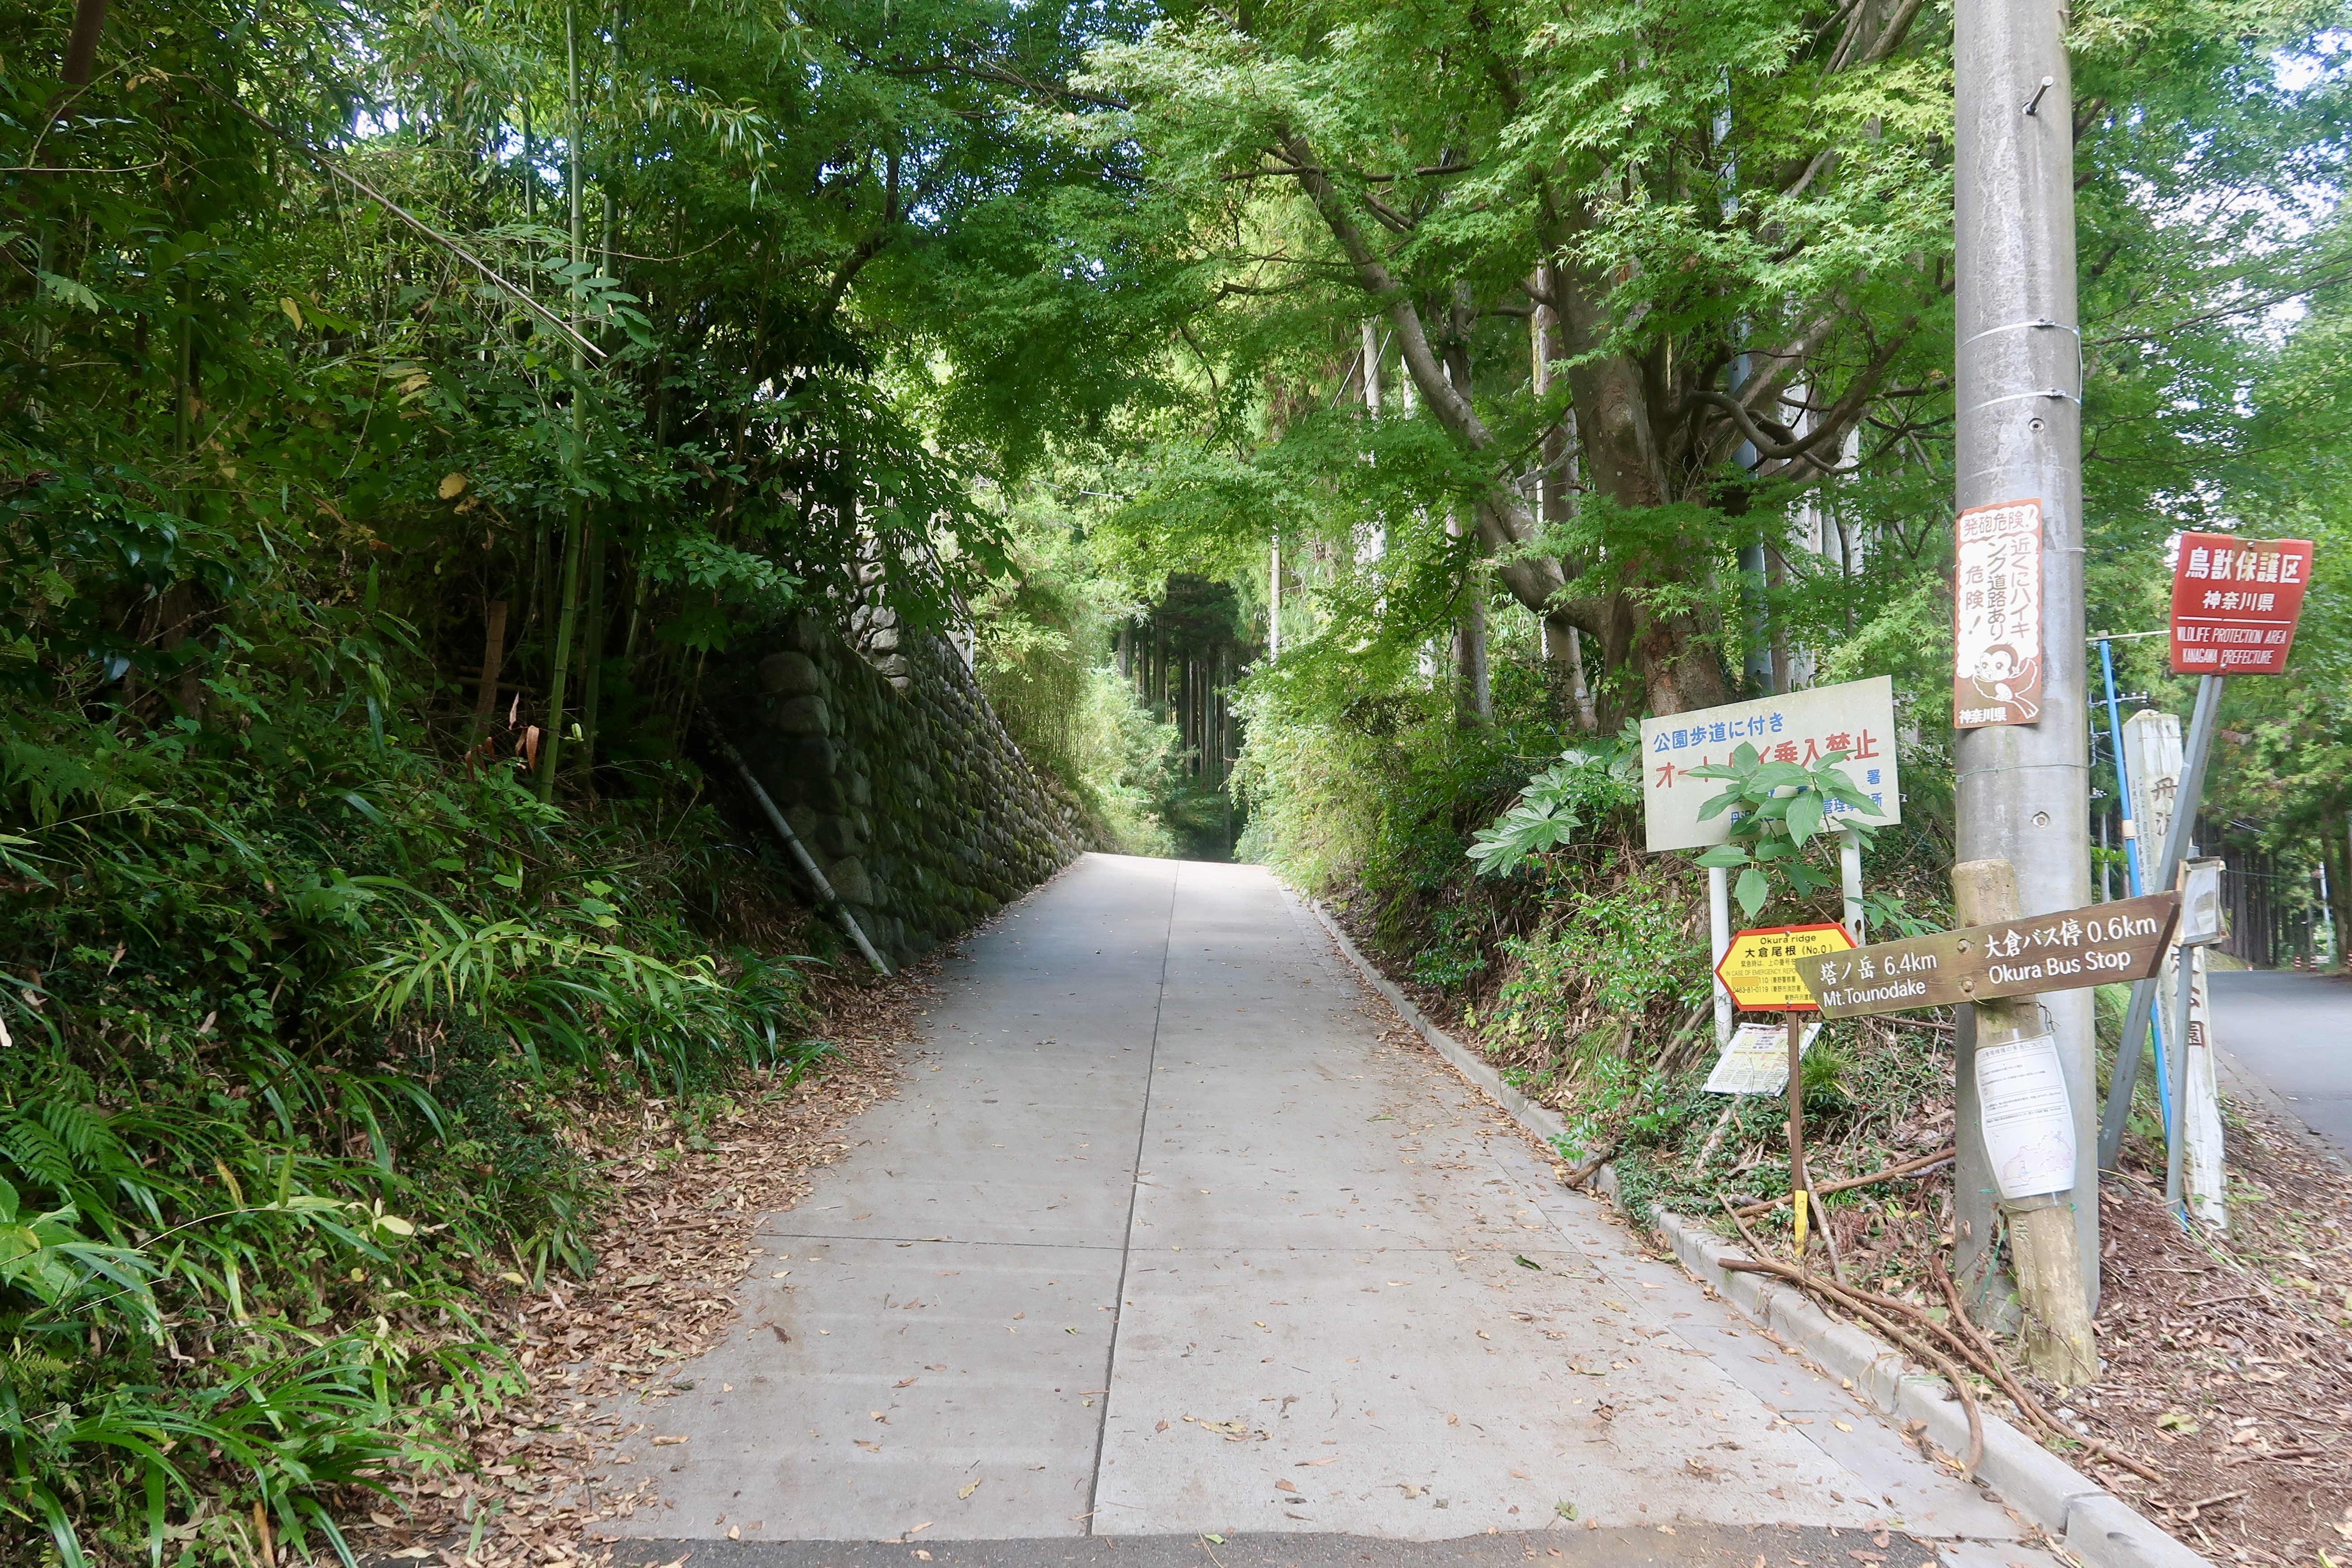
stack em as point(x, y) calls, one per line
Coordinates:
point(1779, 811)
point(1586, 784)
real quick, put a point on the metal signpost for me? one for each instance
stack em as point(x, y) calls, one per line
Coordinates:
point(1764, 969)
point(1856, 717)
point(2234, 605)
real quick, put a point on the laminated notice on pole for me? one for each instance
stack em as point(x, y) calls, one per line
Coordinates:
point(1997, 605)
point(2029, 1122)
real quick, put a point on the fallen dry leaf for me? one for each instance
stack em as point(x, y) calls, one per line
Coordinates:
point(966, 1489)
point(1284, 1486)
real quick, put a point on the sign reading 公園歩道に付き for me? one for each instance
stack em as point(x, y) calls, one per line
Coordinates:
point(1996, 615)
point(2095, 945)
point(1856, 717)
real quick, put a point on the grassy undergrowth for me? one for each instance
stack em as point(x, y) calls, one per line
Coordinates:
point(296, 1013)
point(1585, 976)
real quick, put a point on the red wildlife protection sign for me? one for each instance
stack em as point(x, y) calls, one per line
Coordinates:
point(2234, 602)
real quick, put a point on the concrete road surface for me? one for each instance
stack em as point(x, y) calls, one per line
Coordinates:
point(1162, 1241)
point(2292, 1033)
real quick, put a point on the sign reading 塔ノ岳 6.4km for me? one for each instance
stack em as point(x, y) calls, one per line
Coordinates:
point(1856, 717)
point(2095, 945)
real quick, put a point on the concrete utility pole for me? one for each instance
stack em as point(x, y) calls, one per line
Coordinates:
point(2024, 789)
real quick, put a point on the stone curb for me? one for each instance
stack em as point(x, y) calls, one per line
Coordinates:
point(2097, 1526)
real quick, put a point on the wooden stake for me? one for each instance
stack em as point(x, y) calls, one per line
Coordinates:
point(2059, 1343)
point(1798, 1185)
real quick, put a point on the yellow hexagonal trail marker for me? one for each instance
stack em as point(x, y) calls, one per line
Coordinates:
point(1759, 966)
point(1760, 969)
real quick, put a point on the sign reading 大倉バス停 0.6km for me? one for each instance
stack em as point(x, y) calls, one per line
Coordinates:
point(2095, 945)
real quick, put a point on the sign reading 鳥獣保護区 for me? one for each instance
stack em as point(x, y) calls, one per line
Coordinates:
point(1762, 968)
point(2234, 603)
point(1996, 615)
point(1856, 717)
point(2095, 945)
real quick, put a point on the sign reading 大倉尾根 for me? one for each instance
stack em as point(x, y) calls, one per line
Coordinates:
point(2094, 945)
point(1856, 717)
point(1996, 615)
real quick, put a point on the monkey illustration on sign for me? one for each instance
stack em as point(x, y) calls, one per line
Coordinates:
point(2005, 677)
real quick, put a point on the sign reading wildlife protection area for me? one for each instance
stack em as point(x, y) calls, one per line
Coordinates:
point(1856, 717)
point(2234, 603)
point(1997, 609)
point(1763, 967)
point(2091, 946)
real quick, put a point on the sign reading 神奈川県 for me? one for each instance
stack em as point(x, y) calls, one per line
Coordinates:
point(2095, 945)
point(1856, 717)
point(2234, 603)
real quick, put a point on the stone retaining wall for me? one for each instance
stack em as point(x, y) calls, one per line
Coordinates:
point(897, 775)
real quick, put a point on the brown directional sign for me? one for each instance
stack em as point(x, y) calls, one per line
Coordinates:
point(2120, 941)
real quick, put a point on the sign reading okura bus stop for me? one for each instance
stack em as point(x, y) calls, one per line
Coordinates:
point(2103, 943)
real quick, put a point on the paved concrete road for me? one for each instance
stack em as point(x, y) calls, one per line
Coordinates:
point(2294, 1034)
point(1161, 1239)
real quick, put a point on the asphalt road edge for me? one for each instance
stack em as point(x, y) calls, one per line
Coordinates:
point(2096, 1526)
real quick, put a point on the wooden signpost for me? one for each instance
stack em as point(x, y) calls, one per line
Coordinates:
point(1764, 971)
point(2096, 945)
point(2024, 1110)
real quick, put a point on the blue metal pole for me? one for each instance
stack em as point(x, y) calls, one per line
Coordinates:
point(2131, 862)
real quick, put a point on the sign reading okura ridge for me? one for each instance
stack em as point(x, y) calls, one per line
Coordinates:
point(2093, 946)
point(1763, 969)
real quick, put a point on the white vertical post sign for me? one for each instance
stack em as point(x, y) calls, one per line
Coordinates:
point(2201, 1128)
point(2153, 739)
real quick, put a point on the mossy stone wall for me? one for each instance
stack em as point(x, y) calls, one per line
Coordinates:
point(897, 775)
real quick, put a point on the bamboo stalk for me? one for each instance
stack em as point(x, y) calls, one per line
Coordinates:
point(575, 514)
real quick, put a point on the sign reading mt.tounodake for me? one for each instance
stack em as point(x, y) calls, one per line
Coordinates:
point(1856, 717)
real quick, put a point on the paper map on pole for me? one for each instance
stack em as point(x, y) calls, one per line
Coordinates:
point(1756, 1060)
point(2029, 1122)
